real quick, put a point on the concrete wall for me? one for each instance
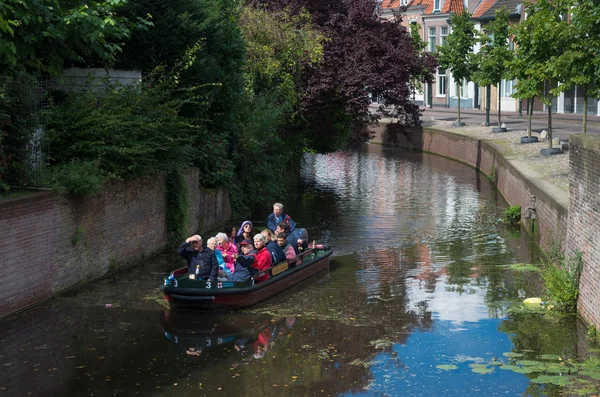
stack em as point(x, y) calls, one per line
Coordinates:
point(514, 181)
point(584, 220)
point(50, 243)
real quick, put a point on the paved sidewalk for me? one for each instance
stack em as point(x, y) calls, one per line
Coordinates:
point(563, 124)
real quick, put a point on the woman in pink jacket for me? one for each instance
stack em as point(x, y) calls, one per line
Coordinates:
point(228, 249)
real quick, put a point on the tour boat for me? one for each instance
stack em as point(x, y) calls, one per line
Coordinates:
point(181, 291)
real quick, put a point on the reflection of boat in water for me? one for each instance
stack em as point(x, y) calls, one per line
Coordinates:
point(242, 332)
point(179, 290)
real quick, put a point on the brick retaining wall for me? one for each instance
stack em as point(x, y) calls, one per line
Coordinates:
point(513, 181)
point(50, 243)
point(584, 220)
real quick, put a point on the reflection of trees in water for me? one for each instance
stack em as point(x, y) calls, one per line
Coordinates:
point(542, 334)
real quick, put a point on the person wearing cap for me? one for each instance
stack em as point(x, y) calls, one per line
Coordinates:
point(259, 260)
point(196, 255)
point(278, 216)
point(243, 269)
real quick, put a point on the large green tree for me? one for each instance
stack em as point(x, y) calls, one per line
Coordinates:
point(540, 39)
point(579, 62)
point(495, 55)
point(456, 53)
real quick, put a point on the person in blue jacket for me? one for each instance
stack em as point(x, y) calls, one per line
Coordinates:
point(199, 256)
point(278, 216)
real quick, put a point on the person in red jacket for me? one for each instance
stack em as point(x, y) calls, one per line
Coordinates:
point(262, 259)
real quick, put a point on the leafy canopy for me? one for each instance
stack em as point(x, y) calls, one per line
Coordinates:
point(495, 53)
point(539, 39)
point(456, 53)
point(41, 35)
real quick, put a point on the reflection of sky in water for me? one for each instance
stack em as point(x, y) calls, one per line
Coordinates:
point(446, 304)
point(411, 369)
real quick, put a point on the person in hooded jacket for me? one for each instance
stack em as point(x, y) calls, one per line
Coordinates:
point(244, 232)
point(199, 256)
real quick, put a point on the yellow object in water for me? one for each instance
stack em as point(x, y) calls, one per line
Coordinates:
point(533, 301)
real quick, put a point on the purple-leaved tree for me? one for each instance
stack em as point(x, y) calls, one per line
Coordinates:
point(364, 58)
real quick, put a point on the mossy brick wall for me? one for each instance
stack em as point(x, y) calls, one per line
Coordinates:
point(514, 181)
point(50, 243)
point(584, 220)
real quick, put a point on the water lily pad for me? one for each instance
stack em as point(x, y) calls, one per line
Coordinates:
point(556, 369)
point(529, 362)
point(496, 363)
point(590, 373)
point(553, 380)
point(446, 367)
point(526, 370)
point(482, 370)
point(478, 365)
point(512, 354)
point(510, 367)
point(550, 357)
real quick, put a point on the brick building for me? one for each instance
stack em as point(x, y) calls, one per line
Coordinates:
point(432, 16)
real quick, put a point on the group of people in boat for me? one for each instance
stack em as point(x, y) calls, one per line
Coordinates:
point(243, 253)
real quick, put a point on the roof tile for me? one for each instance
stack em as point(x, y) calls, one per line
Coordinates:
point(455, 6)
point(483, 7)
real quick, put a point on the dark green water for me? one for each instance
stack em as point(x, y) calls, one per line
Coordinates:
point(420, 278)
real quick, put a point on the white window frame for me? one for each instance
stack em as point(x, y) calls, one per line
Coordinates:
point(507, 85)
point(443, 35)
point(432, 43)
point(404, 2)
point(441, 81)
point(464, 89)
point(437, 5)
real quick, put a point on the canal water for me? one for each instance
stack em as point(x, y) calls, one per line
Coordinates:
point(421, 299)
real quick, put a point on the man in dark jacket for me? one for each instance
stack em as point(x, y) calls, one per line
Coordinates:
point(277, 254)
point(199, 257)
point(278, 216)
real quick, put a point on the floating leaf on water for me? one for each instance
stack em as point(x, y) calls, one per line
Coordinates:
point(446, 367)
point(527, 370)
point(512, 354)
point(550, 357)
point(590, 374)
point(553, 380)
point(529, 362)
point(510, 367)
point(524, 267)
point(594, 350)
point(556, 369)
point(478, 365)
point(482, 370)
point(496, 363)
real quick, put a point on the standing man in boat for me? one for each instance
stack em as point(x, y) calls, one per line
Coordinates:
point(201, 261)
point(278, 216)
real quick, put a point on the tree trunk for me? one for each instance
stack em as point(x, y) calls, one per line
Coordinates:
point(530, 113)
point(458, 103)
point(585, 104)
point(499, 107)
point(550, 123)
